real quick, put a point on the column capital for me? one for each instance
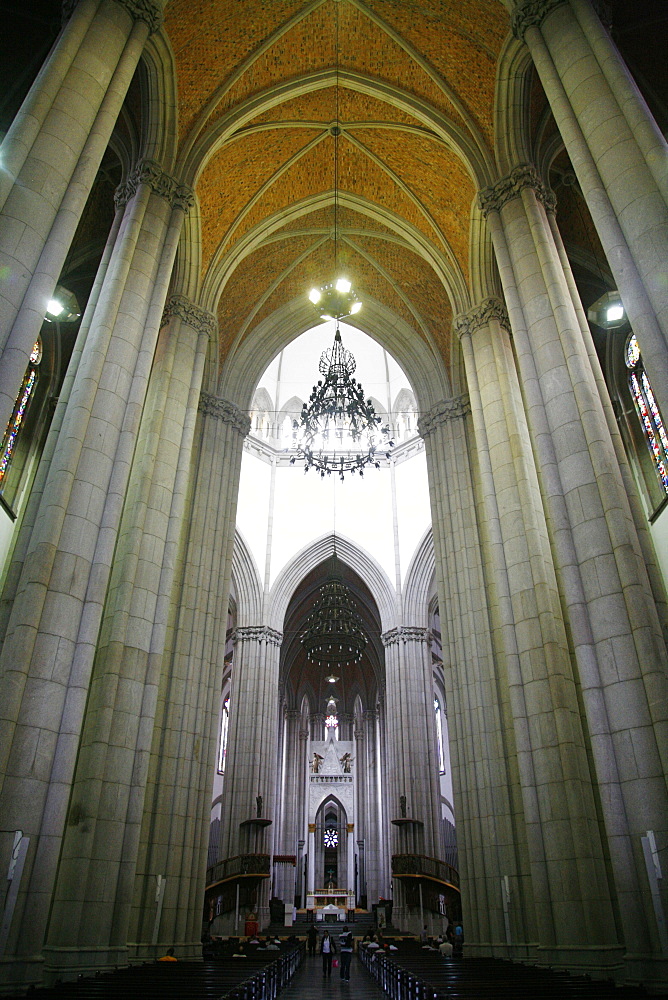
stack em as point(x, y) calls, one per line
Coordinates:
point(148, 11)
point(192, 315)
point(258, 633)
point(359, 734)
point(531, 12)
point(478, 316)
point(405, 633)
point(447, 409)
point(223, 410)
point(292, 713)
point(492, 199)
point(150, 172)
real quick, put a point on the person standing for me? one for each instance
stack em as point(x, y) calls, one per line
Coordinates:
point(346, 946)
point(327, 949)
point(312, 939)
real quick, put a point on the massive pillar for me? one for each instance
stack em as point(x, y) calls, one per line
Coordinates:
point(612, 622)
point(50, 157)
point(175, 826)
point(413, 793)
point(252, 772)
point(86, 931)
point(492, 839)
point(618, 154)
point(292, 796)
point(52, 632)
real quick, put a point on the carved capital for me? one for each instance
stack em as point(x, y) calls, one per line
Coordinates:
point(531, 12)
point(148, 11)
point(258, 633)
point(405, 633)
point(492, 199)
point(489, 309)
point(199, 319)
point(223, 410)
point(150, 173)
point(448, 409)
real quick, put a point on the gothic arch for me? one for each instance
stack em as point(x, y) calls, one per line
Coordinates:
point(419, 582)
point(366, 567)
point(246, 583)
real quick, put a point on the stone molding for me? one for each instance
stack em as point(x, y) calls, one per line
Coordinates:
point(198, 319)
point(492, 199)
point(258, 633)
point(405, 633)
point(148, 11)
point(529, 13)
point(151, 173)
point(222, 409)
point(447, 409)
point(481, 315)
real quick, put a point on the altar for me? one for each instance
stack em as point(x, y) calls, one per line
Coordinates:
point(330, 903)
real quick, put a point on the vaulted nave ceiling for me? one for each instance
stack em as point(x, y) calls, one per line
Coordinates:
point(257, 100)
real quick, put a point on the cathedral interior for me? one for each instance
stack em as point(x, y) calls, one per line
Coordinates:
point(252, 672)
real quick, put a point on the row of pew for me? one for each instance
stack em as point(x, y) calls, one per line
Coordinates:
point(417, 974)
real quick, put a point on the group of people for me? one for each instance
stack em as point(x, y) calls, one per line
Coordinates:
point(328, 949)
point(449, 945)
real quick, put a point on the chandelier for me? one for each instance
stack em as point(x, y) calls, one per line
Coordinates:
point(339, 430)
point(334, 633)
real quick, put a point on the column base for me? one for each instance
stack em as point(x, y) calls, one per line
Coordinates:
point(648, 971)
point(17, 974)
point(597, 961)
point(68, 963)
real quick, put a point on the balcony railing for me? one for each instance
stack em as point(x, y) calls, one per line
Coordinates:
point(241, 866)
point(419, 866)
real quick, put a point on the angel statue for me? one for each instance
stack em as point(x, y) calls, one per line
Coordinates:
point(346, 762)
point(316, 762)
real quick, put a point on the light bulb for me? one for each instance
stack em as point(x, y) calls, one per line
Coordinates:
point(614, 312)
point(343, 285)
point(355, 307)
point(54, 307)
point(314, 296)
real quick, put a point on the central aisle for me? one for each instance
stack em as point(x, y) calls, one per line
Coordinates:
point(310, 984)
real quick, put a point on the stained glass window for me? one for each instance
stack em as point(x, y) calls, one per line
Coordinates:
point(17, 419)
point(331, 837)
point(439, 737)
point(331, 721)
point(647, 410)
point(224, 727)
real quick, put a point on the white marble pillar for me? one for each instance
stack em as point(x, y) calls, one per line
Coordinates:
point(175, 825)
point(491, 830)
point(612, 616)
point(350, 858)
point(51, 155)
point(57, 611)
point(292, 785)
point(618, 154)
point(310, 869)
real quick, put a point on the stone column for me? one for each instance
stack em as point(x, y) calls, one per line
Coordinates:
point(413, 793)
point(51, 155)
point(611, 614)
point(251, 772)
point(361, 808)
point(292, 786)
point(373, 853)
point(491, 831)
point(85, 932)
point(350, 856)
point(310, 871)
point(57, 612)
point(618, 154)
point(175, 824)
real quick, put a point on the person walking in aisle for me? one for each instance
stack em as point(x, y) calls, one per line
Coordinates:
point(346, 946)
point(312, 939)
point(327, 950)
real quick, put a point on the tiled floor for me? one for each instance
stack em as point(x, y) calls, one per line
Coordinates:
point(310, 984)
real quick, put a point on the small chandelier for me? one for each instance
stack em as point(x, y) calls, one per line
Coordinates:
point(335, 300)
point(334, 633)
point(339, 430)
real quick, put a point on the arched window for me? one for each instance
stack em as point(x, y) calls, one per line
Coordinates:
point(439, 737)
point(647, 410)
point(224, 729)
point(18, 417)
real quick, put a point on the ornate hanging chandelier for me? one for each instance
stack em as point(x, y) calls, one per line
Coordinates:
point(334, 633)
point(339, 430)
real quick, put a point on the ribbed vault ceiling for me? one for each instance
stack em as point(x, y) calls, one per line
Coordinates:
point(415, 99)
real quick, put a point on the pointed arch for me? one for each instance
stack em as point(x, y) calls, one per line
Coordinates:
point(419, 582)
point(366, 567)
point(246, 583)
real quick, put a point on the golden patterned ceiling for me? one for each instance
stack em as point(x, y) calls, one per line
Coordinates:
point(412, 87)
